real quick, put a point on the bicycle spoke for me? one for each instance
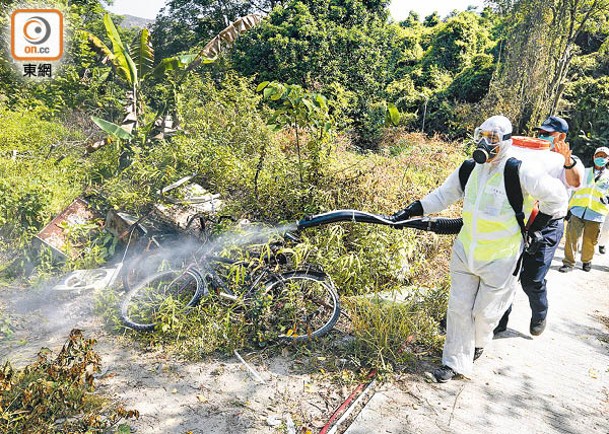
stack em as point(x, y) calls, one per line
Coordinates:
point(148, 264)
point(303, 306)
point(142, 305)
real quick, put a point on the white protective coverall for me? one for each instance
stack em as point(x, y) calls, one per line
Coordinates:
point(488, 248)
point(550, 162)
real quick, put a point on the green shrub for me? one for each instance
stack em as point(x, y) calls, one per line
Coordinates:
point(27, 132)
point(38, 181)
point(389, 333)
point(35, 182)
point(472, 83)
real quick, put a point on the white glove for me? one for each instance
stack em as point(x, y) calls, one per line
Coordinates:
point(605, 200)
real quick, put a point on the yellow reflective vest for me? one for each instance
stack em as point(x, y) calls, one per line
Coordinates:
point(490, 229)
point(591, 192)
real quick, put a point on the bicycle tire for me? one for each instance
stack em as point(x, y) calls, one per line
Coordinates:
point(149, 263)
point(305, 304)
point(141, 304)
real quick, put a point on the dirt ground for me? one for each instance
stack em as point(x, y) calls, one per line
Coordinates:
point(555, 383)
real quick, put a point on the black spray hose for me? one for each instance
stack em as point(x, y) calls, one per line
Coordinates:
point(438, 225)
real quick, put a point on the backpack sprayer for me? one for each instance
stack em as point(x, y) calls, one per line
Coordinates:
point(438, 225)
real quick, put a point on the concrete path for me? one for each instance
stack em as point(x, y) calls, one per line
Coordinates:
point(555, 383)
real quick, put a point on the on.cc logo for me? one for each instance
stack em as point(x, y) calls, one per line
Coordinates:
point(37, 35)
point(37, 30)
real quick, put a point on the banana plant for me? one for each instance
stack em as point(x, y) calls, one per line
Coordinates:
point(136, 65)
point(226, 38)
point(133, 65)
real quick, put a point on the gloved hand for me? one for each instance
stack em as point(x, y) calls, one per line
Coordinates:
point(533, 242)
point(412, 210)
point(605, 200)
point(534, 238)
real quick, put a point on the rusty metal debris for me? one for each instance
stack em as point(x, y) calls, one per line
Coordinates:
point(55, 234)
point(352, 402)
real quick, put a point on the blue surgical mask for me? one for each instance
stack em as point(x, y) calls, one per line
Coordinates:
point(600, 161)
point(548, 139)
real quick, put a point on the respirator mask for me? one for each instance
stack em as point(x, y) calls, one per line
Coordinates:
point(487, 145)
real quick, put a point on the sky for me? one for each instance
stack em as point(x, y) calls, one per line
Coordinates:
point(399, 8)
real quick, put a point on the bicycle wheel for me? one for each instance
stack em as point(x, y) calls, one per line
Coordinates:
point(149, 263)
point(304, 305)
point(140, 307)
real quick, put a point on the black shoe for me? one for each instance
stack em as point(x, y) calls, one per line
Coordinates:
point(601, 250)
point(443, 374)
point(500, 328)
point(477, 353)
point(565, 268)
point(587, 266)
point(537, 327)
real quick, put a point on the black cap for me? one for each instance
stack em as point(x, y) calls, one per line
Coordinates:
point(554, 124)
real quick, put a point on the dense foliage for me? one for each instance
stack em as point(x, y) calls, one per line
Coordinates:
point(289, 119)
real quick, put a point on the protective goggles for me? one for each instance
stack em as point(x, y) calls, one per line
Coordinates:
point(491, 137)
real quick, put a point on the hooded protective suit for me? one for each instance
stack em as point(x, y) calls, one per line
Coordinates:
point(487, 250)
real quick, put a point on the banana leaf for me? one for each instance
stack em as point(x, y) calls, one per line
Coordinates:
point(226, 38)
point(172, 64)
point(142, 53)
point(122, 60)
point(111, 128)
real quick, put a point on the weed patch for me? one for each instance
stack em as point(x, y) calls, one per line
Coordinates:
point(389, 333)
point(56, 394)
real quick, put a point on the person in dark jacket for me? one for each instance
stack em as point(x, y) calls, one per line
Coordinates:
point(535, 266)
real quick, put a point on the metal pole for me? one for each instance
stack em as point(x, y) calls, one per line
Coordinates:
point(424, 112)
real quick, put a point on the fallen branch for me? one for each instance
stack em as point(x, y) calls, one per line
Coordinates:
point(455, 404)
point(257, 377)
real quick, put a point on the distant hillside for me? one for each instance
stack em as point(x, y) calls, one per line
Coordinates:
point(130, 21)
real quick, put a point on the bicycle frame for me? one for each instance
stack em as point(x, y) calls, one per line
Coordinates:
point(218, 282)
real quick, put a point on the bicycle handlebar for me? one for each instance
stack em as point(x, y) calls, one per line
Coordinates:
point(438, 225)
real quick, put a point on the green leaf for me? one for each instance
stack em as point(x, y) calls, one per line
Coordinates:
point(174, 63)
point(321, 101)
point(98, 45)
point(268, 92)
point(262, 86)
point(111, 128)
point(122, 60)
point(275, 96)
point(393, 114)
point(142, 53)
point(123, 429)
point(308, 104)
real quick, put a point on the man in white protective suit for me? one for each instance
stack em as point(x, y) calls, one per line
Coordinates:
point(557, 161)
point(486, 254)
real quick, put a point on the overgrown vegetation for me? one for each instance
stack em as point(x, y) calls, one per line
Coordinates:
point(291, 121)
